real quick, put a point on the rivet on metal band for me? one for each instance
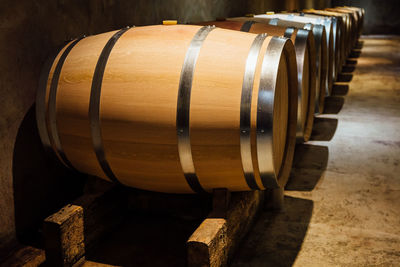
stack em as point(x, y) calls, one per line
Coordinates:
point(289, 32)
point(265, 112)
point(94, 105)
point(183, 109)
point(52, 105)
point(245, 111)
point(247, 25)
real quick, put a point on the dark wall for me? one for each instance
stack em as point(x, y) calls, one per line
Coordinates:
point(31, 185)
point(261, 6)
point(381, 16)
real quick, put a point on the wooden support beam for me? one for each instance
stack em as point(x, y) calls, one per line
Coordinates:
point(25, 256)
point(215, 240)
point(69, 232)
point(64, 236)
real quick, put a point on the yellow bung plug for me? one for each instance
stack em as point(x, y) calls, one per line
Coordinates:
point(170, 22)
point(270, 12)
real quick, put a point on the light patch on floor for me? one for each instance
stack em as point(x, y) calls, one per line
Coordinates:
point(342, 202)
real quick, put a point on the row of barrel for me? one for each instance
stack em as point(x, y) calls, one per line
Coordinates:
point(189, 108)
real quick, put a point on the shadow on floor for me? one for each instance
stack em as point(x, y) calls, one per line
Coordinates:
point(355, 53)
point(344, 77)
point(348, 68)
point(351, 61)
point(324, 129)
point(333, 104)
point(145, 240)
point(359, 45)
point(309, 164)
point(276, 238)
point(340, 89)
point(41, 185)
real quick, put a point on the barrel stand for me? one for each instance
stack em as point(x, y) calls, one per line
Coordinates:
point(71, 231)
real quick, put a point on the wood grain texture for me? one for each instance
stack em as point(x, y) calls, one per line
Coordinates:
point(307, 82)
point(139, 102)
point(280, 116)
point(216, 239)
point(64, 236)
point(73, 97)
point(50, 77)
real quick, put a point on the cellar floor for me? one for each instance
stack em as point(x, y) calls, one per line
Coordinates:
point(342, 202)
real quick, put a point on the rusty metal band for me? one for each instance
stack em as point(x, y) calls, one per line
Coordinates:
point(265, 111)
point(247, 26)
point(183, 109)
point(94, 105)
point(245, 111)
point(52, 105)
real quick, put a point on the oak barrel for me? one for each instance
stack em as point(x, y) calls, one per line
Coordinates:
point(321, 53)
point(360, 13)
point(348, 26)
point(338, 40)
point(303, 41)
point(177, 109)
point(329, 41)
point(345, 33)
point(354, 22)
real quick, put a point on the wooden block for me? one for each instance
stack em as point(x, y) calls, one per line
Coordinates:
point(102, 212)
point(25, 256)
point(64, 236)
point(215, 240)
point(208, 244)
point(70, 232)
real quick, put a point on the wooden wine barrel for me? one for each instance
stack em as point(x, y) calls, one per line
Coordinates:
point(320, 48)
point(329, 39)
point(360, 13)
point(342, 20)
point(338, 43)
point(303, 41)
point(177, 109)
point(332, 34)
point(355, 21)
point(351, 29)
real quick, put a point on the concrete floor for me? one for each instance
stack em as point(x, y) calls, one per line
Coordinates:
point(342, 201)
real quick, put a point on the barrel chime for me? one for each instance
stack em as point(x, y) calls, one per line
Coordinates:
point(192, 108)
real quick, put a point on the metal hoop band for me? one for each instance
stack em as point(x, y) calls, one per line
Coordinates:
point(41, 103)
point(245, 111)
point(94, 105)
point(183, 109)
point(265, 112)
point(52, 105)
point(247, 25)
